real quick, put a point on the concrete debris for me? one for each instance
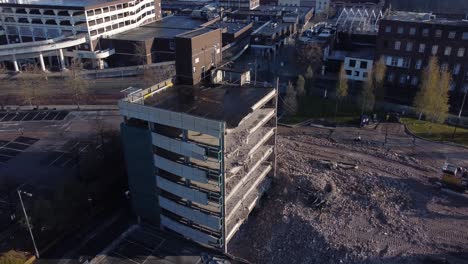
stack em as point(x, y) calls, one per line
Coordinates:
point(322, 209)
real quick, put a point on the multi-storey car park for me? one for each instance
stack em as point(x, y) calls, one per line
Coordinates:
point(199, 155)
point(199, 159)
point(60, 29)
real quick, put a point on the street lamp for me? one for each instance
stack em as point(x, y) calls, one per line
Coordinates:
point(27, 220)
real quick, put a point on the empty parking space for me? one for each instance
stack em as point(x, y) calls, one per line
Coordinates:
point(9, 152)
point(51, 116)
point(8, 117)
point(51, 157)
point(66, 157)
point(29, 116)
point(17, 146)
point(39, 116)
point(33, 116)
point(131, 251)
point(10, 149)
point(26, 140)
point(19, 117)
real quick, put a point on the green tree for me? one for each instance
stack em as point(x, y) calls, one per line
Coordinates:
point(443, 106)
point(367, 94)
point(432, 97)
point(379, 71)
point(300, 86)
point(341, 88)
point(76, 82)
point(290, 101)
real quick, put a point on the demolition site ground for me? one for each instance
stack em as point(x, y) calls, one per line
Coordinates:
point(337, 200)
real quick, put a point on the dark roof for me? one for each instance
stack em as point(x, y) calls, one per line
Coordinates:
point(228, 103)
point(423, 18)
point(169, 27)
point(231, 27)
point(195, 33)
point(435, 6)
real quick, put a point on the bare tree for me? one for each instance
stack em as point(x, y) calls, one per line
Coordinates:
point(341, 88)
point(290, 101)
point(310, 55)
point(141, 56)
point(3, 99)
point(442, 106)
point(309, 76)
point(367, 94)
point(76, 82)
point(33, 84)
point(300, 86)
point(378, 73)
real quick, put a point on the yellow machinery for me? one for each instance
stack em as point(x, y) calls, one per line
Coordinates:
point(455, 178)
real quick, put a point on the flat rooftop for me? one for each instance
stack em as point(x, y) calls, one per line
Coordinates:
point(228, 102)
point(230, 27)
point(424, 18)
point(268, 10)
point(195, 32)
point(273, 28)
point(168, 27)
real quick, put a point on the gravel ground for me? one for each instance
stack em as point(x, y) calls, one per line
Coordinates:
point(388, 210)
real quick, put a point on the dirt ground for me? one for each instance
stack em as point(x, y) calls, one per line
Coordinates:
point(387, 210)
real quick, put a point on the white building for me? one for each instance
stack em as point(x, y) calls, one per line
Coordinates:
point(358, 65)
point(34, 29)
point(239, 4)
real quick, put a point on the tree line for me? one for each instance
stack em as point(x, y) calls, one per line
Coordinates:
point(431, 100)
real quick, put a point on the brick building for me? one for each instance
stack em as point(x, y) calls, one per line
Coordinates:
point(407, 40)
point(197, 52)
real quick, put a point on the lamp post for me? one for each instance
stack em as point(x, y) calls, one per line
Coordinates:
point(27, 220)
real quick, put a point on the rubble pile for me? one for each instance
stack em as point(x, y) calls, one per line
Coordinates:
point(346, 202)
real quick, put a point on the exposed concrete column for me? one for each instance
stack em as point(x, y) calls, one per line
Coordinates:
point(41, 60)
point(15, 64)
point(99, 64)
point(62, 59)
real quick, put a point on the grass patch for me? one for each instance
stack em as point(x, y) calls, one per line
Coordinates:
point(313, 107)
point(12, 257)
point(438, 132)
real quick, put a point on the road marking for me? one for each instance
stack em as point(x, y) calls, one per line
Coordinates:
point(125, 257)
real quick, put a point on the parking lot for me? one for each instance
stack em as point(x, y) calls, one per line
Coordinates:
point(65, 157)
point(10, 149)
point(33, 116)
point(147, 245)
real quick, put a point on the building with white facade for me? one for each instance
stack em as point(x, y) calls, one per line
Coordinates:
point(239, 4)
point(61, 29)
point(358, 65)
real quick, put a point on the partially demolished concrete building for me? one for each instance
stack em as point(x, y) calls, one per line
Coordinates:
point(198, 158)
